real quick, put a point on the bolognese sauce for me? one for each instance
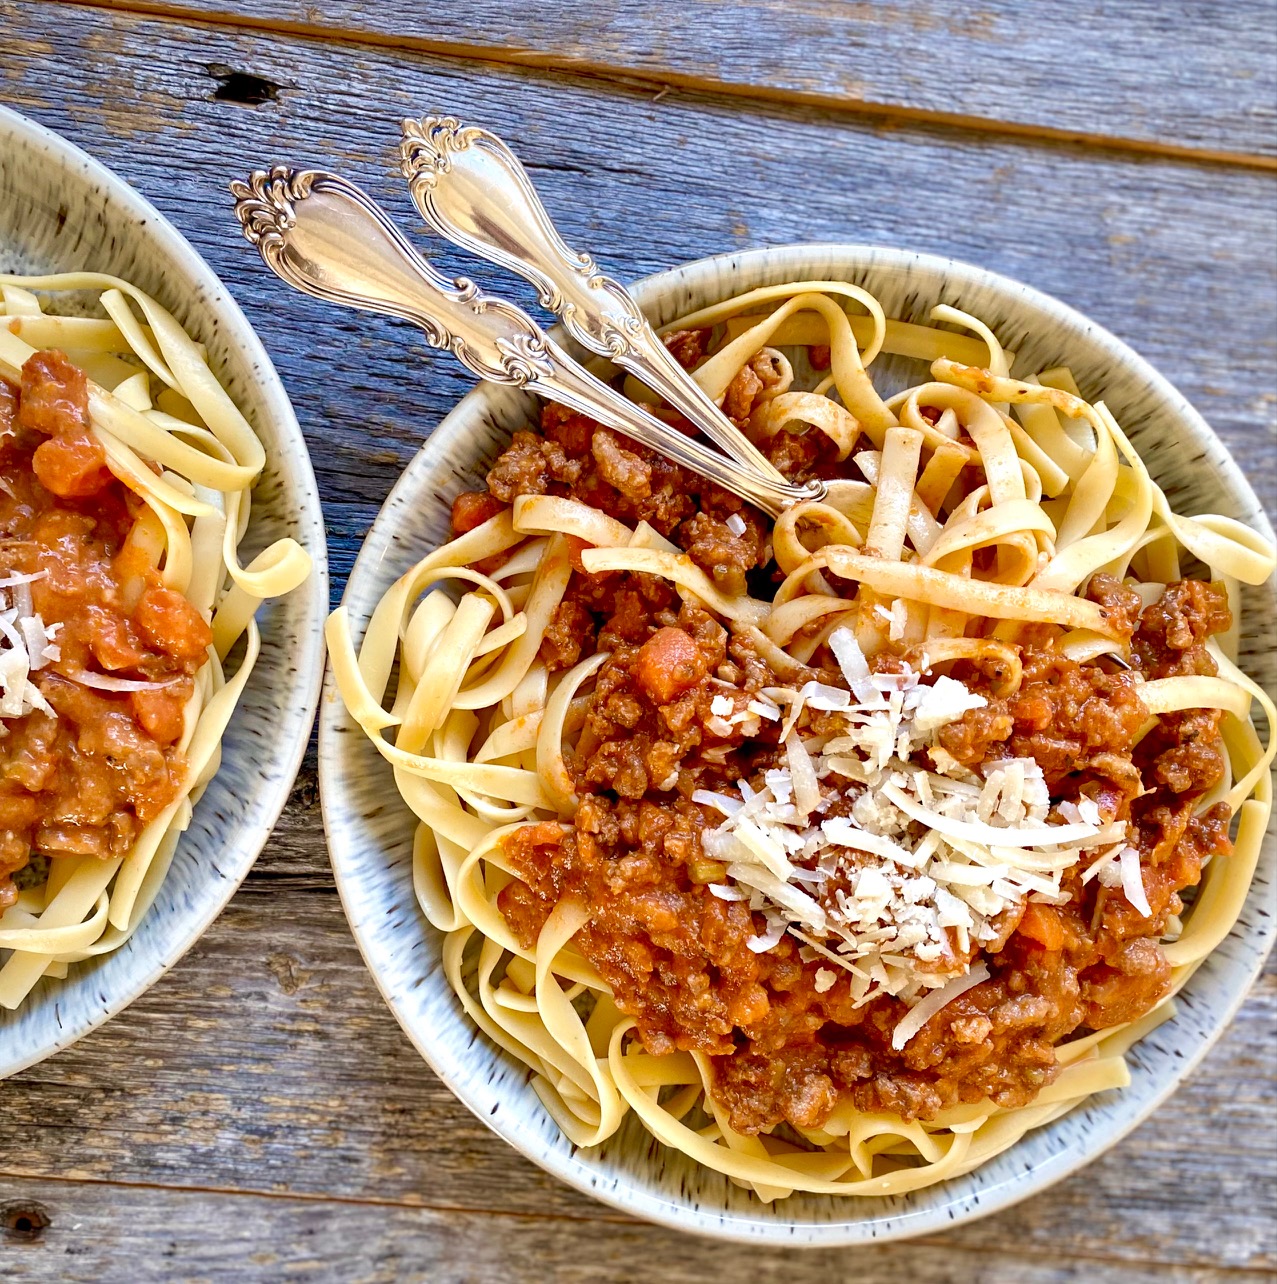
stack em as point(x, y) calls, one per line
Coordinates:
point(786, 1044)
point(92, 755)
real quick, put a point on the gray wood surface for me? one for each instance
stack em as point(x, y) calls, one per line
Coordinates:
point(259, 1115)
point(163, 1234)
point(1193, 76)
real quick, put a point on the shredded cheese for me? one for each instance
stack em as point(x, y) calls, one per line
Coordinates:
point(1133, 881)
point(922, 1012)
point(27, 644)
point(879, 853)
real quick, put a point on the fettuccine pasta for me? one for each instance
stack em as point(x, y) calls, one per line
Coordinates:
point(841, 850)
point(126, 472)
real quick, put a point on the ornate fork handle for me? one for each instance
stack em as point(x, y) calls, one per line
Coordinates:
point(471, 188)
point(324, 235)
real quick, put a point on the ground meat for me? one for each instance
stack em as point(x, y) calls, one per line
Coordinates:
point(1185, 752)
point(578, 459)
point(641, 739)
point(725, 555)
point(760, 373)
point(55, 396)
point(688, 347)
point(569, 634)
point(1174, 627)
point(1122, 604)
point(530, 466)
point(54, 403)
point(620, 467)
point(742, 392)
point(520, 470)
point(84, 782)
point(676, 956)
point(1063, 716)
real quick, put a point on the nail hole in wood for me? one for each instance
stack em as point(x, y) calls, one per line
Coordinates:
point(241, 87)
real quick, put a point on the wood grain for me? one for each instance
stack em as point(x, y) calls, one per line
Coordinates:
point(1175, 258)
point(162, 1234)
point(259, 1115)
point(1197, 76)
point(291, 1078)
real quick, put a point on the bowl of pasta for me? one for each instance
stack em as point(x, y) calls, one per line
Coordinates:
point(162, 589)
point(839, 877)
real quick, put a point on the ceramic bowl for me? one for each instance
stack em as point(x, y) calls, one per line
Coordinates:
point(60, 211)
point(370, 840)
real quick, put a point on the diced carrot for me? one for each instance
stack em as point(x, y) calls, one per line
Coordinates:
point(668, 663)
point(1042, 924)
point(472, 508)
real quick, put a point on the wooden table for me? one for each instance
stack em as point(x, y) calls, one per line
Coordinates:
point(259, 1115)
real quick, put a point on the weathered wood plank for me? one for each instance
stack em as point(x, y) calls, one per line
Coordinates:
point(1195, 76)
point(267, 1063)
point(212, 1078)
point(93, 1234)
point(1174, 258)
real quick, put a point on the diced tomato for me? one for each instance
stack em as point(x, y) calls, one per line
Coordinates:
point(170, 623)
point(160, 713)
point(71, 467)
point(472, 508)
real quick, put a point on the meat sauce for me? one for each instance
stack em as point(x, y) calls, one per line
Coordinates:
point(676, 956)
point(85, 778)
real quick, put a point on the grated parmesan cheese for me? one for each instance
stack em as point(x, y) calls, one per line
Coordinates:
point(902, 912)
point(820, 696)
point(854, 666)
point(27, 644)
point(927, 1007)
point(945, 701)
point(1133, 881)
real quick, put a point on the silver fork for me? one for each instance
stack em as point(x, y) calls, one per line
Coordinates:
point(471, 188)
point(327, 237)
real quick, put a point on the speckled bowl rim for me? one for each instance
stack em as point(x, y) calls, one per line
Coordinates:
point(19, 131)
point(934, 1208)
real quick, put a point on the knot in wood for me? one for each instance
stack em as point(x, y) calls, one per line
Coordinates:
point(24, 1220)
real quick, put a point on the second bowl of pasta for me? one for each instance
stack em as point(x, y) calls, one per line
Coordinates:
point(162, 576)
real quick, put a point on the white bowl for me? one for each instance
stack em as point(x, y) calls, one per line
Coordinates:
point(61, 211)
point(370, 836)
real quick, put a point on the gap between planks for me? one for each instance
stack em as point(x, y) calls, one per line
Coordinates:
point(666, 80)
point(611, 1217)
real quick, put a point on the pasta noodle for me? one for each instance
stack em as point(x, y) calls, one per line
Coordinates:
point(170, 432)
point(988, 520)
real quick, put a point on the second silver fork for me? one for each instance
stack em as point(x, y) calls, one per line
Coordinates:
point(472, 189)
point(327, 237)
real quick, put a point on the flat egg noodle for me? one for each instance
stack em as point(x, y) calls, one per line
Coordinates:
point(1003, 531)
point(196, 513)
